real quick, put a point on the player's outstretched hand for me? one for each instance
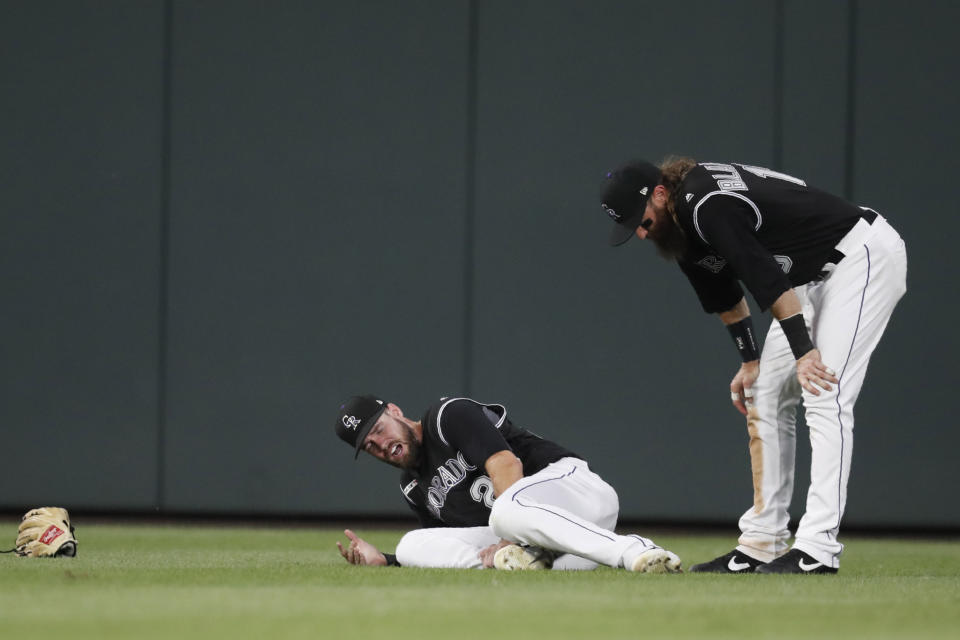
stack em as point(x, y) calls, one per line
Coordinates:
point(741, 387)
point(359, 551)
point(813, 374)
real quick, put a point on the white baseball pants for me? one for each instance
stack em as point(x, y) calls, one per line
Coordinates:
point(565, 507)
point(846, 315)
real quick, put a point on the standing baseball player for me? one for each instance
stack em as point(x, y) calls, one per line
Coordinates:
point(830, 273)
point(490, 494)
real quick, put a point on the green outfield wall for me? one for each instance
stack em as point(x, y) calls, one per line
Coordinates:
point(220, 218)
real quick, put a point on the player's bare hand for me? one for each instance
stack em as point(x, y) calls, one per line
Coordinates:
point(813, 374)
point(741, 387)
point(359, 551)
point(486, 554)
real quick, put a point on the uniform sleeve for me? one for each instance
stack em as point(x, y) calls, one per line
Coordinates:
point(717, 291)
point(463, 425)
point(728, 224)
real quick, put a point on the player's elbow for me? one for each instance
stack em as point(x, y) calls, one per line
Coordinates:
point(504, 469)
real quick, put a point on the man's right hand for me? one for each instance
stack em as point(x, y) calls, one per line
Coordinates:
point(359, 551)
point(741, 387)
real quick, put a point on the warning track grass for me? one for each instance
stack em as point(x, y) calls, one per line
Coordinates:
point(232, 582)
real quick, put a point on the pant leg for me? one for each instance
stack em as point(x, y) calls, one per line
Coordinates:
point(850, 312)
point(567, 508)
point(771, 425)
point(445, 547)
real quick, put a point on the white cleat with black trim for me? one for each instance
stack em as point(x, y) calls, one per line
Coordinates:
point(656, 560)
point(514, 557)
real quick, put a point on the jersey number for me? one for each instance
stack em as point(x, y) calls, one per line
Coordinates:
point(482, 491)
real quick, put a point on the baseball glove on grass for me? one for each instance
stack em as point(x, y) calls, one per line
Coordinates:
point(46, 533)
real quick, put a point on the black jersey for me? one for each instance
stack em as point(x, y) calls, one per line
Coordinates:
point(766, 229)
point(450, 488)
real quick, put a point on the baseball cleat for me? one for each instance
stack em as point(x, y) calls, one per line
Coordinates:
point(733, 562)
point(514, 557)
point(796, 561)
point(656, 561)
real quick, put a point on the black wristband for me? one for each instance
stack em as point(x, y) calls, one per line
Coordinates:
point(391, 560)
point(796, 331)
point(742, 334)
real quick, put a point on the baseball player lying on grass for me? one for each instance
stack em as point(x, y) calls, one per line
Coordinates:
point(490, 494)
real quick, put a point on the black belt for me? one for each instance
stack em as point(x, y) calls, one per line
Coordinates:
point(835, 256)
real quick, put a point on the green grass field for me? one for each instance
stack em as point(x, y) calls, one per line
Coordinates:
point(225, 582)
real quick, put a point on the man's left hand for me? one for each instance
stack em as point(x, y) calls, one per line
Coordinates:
point(360, 551)
point(813, 374)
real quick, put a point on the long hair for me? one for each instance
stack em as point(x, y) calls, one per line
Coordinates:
point(675, 169)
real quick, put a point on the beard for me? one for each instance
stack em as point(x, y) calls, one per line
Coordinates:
point(670, 239)
point(411, 455)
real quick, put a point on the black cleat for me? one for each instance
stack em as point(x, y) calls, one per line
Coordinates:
point(733, 562)
point(795, 561)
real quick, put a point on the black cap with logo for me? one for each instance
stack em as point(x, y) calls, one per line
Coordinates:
point(624, 199)
point(356, 417)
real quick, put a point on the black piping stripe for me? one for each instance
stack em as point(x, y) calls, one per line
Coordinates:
point(853, 340)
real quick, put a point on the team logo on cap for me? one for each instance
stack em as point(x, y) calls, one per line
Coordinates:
point(613, 214)
point(351, 422)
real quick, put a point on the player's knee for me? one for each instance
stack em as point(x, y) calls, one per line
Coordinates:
point(609, 508)
point(504, 518)
point(496, 516)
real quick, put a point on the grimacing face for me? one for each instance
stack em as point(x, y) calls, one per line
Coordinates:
point(393, 441)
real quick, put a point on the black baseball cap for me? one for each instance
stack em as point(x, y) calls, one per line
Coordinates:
point(356, 417)
point(624, 199)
